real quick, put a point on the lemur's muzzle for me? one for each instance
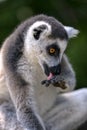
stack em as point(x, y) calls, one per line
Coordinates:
point(54, 70)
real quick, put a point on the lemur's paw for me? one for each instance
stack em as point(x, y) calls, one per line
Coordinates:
point(56, 81)
point(60, 84)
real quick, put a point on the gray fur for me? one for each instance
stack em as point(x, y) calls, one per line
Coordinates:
point(25, 104)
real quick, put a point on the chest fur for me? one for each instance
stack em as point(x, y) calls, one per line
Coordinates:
point(43, 96)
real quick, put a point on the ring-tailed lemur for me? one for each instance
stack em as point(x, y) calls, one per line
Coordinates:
point(34, 71)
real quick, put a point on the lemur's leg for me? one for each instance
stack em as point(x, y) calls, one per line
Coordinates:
point(66, 80)
point(69, 111)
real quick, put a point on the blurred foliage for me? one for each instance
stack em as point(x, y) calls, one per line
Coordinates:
point(69, 12)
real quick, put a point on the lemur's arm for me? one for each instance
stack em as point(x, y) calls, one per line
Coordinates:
point(19, 89)
point(66, 79)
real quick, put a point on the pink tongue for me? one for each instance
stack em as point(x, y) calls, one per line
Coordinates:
point(50, 76)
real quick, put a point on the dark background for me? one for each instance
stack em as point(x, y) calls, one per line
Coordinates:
point(69, 12)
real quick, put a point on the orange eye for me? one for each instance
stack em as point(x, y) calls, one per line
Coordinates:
point(52, 50)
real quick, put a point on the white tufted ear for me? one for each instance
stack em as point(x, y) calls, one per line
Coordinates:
point(72, 32)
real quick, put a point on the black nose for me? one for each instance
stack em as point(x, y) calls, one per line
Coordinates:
point(56, 70)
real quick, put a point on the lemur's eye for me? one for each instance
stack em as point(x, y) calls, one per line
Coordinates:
point(52, 50)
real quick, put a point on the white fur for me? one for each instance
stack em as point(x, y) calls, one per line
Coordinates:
point(72, 32)
point(29, 36)
point(62, 44)
point(31, 43)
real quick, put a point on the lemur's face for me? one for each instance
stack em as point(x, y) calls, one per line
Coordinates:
point(48, 50)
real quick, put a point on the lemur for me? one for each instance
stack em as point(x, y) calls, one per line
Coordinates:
point(36, 78)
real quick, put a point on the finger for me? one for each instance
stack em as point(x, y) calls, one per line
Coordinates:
point(48, 83)
point(43, 82)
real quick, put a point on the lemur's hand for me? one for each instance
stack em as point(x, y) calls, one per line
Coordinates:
point(56, 81)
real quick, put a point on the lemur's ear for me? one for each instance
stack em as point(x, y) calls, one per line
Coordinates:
point(72, 32)
point(38, 30)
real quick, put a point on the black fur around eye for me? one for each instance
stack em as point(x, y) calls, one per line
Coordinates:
point(53, 50)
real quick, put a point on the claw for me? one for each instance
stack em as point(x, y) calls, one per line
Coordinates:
point(43, 82)
point(46, 82)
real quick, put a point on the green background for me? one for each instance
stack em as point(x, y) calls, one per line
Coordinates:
point(69, 12)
